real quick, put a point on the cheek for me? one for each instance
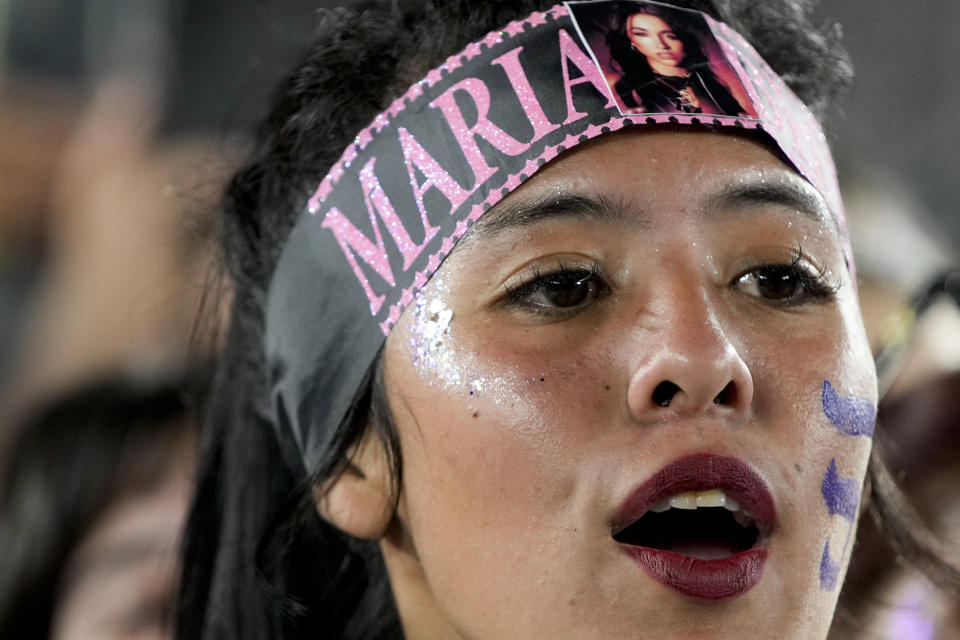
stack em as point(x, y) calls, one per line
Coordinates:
point(828, 379)
point(850, 422)
point(463, 378)
point(479, 412)
point(468, 414)
point(641, 44)
point(488, 426)
point(450, 363)
point(789, 366)
point(483, 471)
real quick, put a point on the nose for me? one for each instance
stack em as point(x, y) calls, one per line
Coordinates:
point(688, 366)
point(664, 43)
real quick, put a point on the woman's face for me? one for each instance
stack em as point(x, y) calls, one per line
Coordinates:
point(655, 315)
point(655, 39)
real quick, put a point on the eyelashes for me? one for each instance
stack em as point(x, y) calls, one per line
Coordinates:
point(560, 292)
point(787, 284)
point(572, 287)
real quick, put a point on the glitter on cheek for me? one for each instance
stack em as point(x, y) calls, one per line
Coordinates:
point(432, 347)
point(439, 360)
point(430, 337)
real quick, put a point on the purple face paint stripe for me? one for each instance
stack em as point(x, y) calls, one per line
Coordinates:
point(850, 415)
point(829, 570)
point(840, 494)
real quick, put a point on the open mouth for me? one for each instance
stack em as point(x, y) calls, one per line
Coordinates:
point(706, 525)
point(700, 525)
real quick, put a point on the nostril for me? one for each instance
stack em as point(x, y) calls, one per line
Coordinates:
point(726, 394)
point(664, 393)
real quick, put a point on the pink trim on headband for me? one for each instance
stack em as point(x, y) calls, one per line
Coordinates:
point(774, 102)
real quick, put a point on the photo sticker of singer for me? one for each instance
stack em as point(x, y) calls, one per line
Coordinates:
point(659, 59)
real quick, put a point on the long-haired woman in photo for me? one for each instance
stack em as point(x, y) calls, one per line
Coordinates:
point(661, 66)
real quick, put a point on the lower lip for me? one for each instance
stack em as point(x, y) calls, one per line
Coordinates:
point(705, 579)
point(666, 56)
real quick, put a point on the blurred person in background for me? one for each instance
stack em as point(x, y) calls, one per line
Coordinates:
point(127, 250)
point(117, 127)
point(93, 492)
point(115, 133)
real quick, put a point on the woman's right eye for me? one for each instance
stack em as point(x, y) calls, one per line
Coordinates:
point(560, 292)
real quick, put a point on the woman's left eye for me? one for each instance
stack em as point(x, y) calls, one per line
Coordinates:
point(559, 292)
point(787, 284)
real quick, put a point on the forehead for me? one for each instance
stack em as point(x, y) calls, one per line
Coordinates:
point(647, 21)
point(656, 172)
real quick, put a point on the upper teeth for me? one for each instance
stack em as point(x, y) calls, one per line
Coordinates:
point(694, 499)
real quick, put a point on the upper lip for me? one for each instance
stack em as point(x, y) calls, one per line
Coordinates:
point(700, 472)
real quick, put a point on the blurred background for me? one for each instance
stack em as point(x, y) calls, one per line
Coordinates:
point(120, 120)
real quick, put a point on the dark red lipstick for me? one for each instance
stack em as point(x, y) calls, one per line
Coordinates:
point(718, 577)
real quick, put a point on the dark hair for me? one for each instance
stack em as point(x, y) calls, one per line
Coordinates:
point(66, 464)
point(259, 561)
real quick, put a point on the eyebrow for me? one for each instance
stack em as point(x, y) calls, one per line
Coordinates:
point(555, 207)
point(790, 196)
point(573, 206)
